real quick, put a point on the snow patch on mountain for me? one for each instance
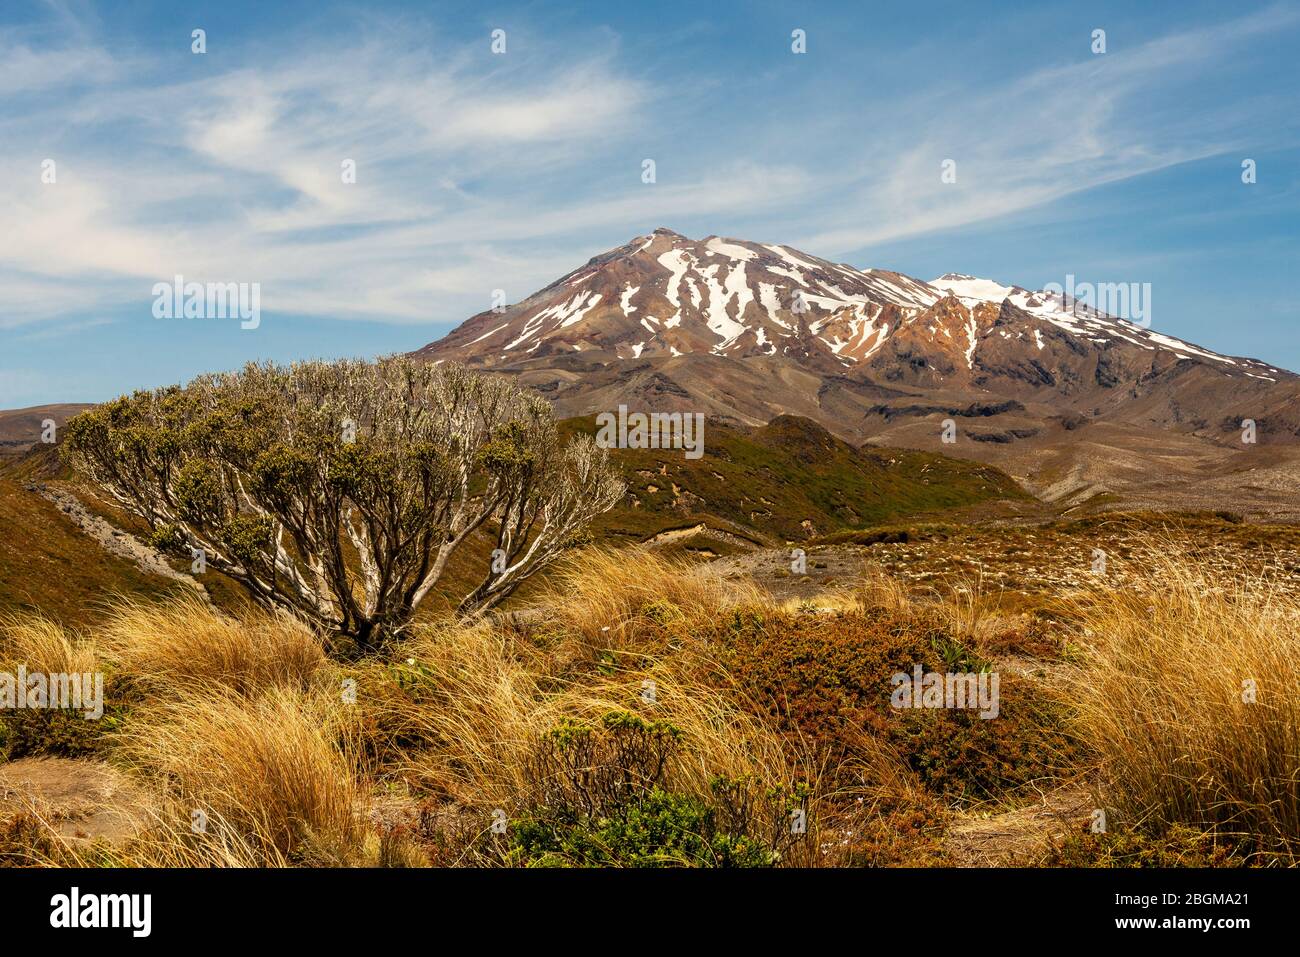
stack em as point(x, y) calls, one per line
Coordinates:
point(723, 248)
point(626, 301)
point(971, 287)
point(1075, 318)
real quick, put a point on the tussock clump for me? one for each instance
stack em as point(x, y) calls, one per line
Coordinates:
point(873, 591)
point(269, 767)
point(604, 599)
point(479, 699)
point(45, 646)
point(1188, 698)
point(186, 644)
point(717, 736)
point(27, 840)
point(463, 705)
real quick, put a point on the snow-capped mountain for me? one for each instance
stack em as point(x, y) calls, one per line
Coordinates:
point(1039, 384)
point(667, 295)
point(664, 294)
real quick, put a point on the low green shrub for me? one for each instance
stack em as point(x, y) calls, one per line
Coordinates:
point(825, 680)
point(602, 798)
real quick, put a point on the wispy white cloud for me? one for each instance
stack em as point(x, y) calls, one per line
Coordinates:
point(238, 176)
point(477, 172)
point(1039, 137)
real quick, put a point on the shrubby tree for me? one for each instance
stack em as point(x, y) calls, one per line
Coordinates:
point(341, 490)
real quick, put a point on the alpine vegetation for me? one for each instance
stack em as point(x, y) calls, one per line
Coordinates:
point(341, 490)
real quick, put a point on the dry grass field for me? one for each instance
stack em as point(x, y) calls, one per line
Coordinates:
point(642, 711)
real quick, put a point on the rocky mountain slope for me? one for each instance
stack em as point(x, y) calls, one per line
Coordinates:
point(1071, 400)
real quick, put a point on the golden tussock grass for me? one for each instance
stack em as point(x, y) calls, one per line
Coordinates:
point(243, 720)
point(1188, 696)
point(476, 704)
point(485, 695)
point(969, 609)
point(185, 644)
point(270, 767)
point(45, 646)
point(605, 598)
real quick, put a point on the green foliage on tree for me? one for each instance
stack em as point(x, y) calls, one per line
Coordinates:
point(340, 490)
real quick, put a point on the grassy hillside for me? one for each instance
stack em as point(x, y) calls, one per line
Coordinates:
point(36, 537)
point(49, 566)
point(791, 480)
point(788, 481)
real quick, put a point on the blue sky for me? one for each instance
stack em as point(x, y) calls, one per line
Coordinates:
point(479, 171)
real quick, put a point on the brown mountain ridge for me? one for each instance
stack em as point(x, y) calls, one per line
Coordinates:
point(1078, 404)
